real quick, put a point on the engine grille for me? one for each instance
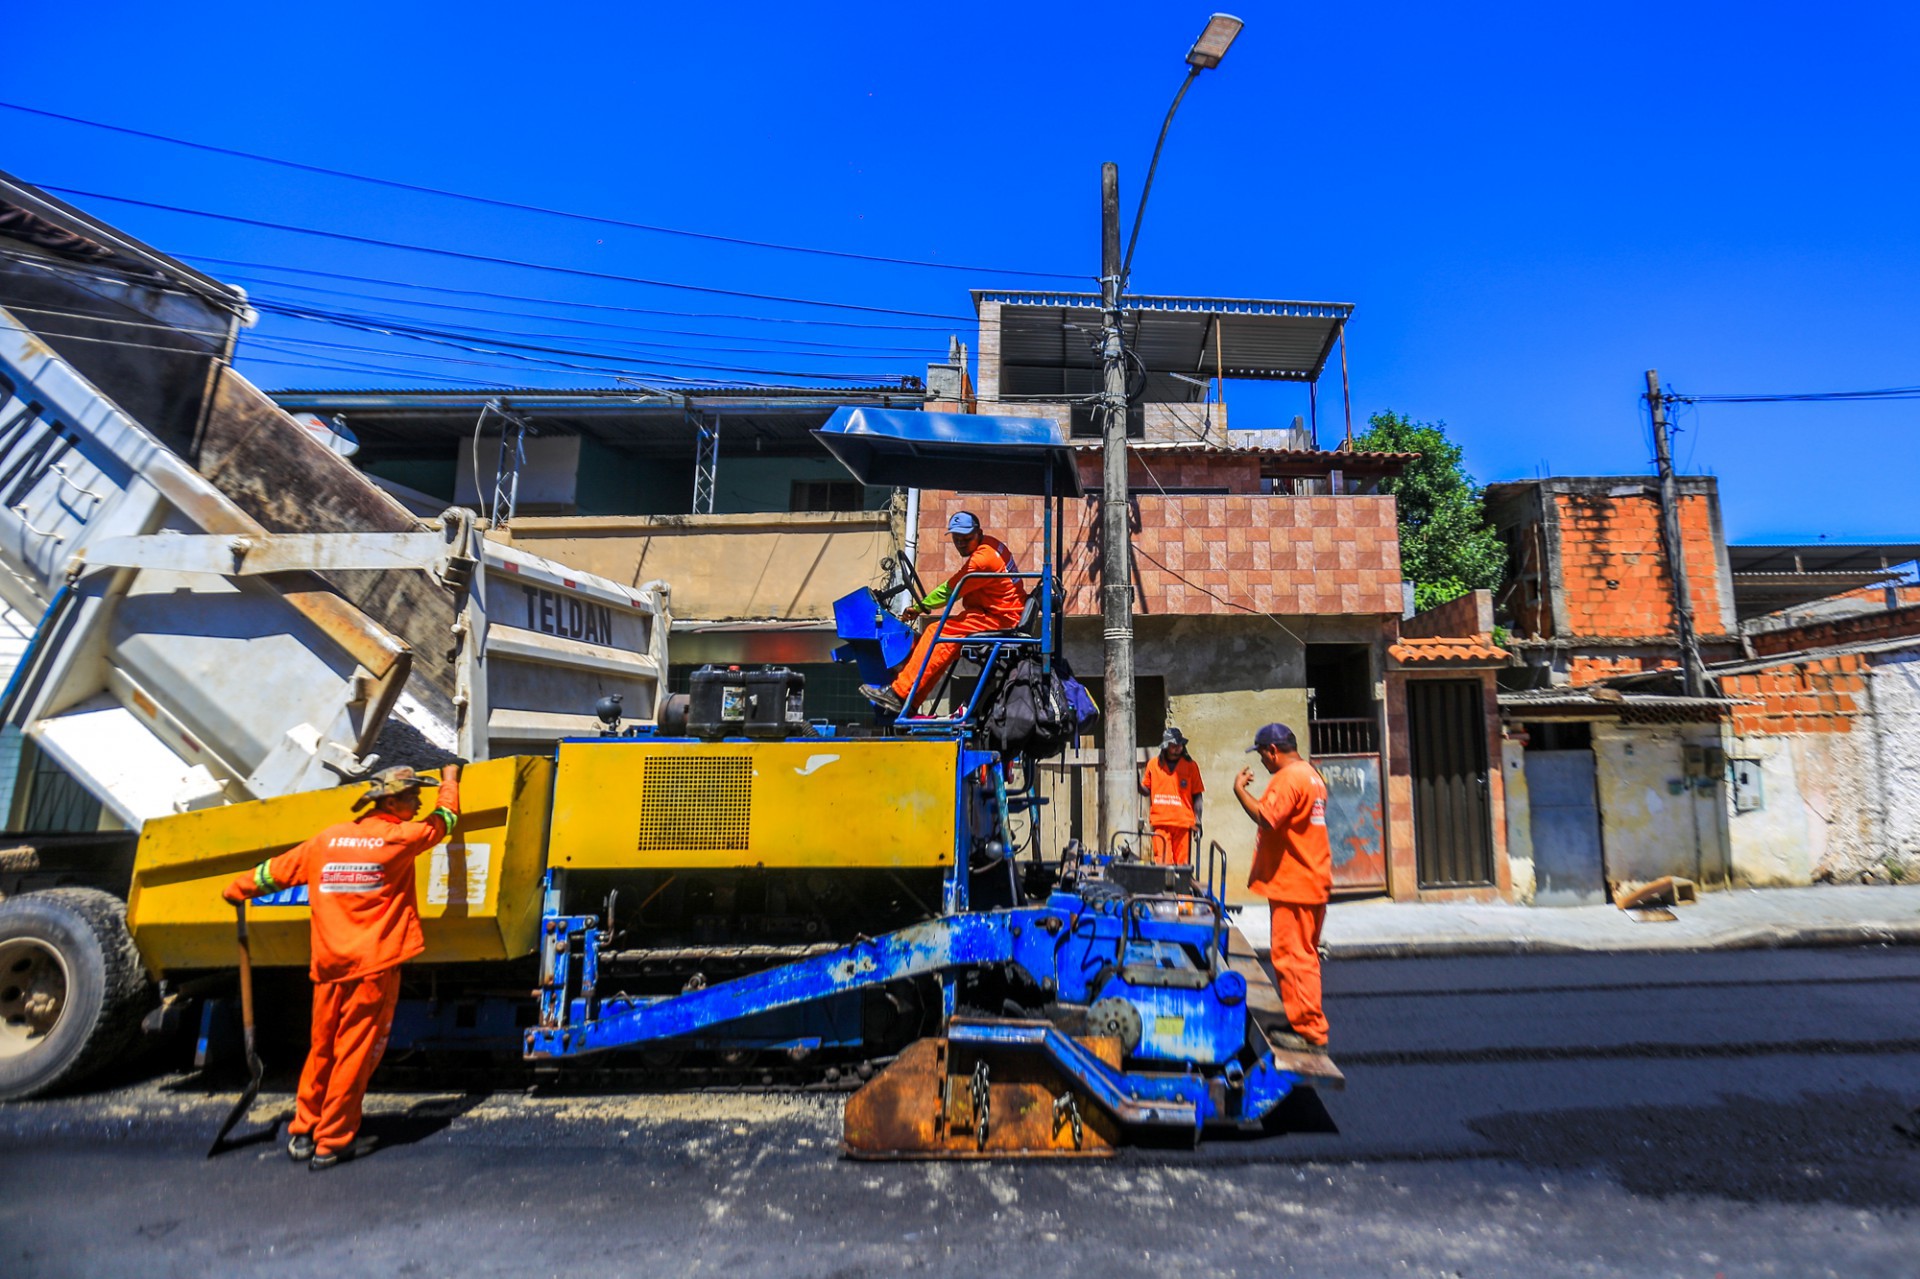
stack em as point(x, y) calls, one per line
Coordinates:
point(696, 804)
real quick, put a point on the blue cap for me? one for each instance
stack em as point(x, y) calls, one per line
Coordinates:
point(1274, 735)
point(964, 522)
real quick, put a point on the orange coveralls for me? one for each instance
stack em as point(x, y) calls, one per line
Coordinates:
point(366, 923)
point(986, 604)
point(1170, 796)
point(1293, 870)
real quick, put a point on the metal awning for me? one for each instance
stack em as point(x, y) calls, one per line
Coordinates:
point(1049, 342)
point(969, 452)
point(1821, 557)
point(772, 421)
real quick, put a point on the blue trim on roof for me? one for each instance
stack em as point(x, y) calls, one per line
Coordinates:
point(967, 451)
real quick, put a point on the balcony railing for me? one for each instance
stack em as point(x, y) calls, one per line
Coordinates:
point(1344, 736)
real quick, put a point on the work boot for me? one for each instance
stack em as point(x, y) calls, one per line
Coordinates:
point(359, 1148)
point(300, 1146)
point(1293, 1041)
point(883, 697)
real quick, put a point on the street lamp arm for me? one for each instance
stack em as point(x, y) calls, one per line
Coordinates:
point(1133, 238)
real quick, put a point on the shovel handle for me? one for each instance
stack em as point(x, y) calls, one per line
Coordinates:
point(246, 971)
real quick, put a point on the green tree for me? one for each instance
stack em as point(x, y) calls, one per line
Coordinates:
point(1447, 548)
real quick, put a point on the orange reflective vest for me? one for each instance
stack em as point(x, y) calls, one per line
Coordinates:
point(1171, 792)
point(1293, 862)
point(360, 889)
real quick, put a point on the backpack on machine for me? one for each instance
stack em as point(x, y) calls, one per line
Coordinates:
point(1030, 714)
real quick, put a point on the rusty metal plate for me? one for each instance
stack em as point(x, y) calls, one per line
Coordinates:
point(1315, 1069)
point(922, 1106)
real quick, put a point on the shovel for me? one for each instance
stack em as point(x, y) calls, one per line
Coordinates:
point(254, 1067)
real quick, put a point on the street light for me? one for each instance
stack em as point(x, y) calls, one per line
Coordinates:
point(1214, 41)
point(1118, 781)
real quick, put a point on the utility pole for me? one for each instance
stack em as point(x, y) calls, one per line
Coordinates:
point(1119, 788)
point(1692, 668)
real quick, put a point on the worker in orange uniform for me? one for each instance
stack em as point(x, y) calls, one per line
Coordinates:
point(366, 923)
point(985, 604)
point(1174, 792)
point(1293, 870)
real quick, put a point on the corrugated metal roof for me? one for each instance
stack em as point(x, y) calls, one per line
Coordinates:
point(1355, 459)
point(1580, 698)
point(1049, 342)
point(480, 395)
point(1820, 557)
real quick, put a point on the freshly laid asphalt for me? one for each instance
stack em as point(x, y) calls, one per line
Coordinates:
point(1711, 1114)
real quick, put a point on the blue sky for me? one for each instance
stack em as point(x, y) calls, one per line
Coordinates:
point(1529, 205)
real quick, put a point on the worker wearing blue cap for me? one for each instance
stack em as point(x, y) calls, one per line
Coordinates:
point(985, 603)
point(1293, 870)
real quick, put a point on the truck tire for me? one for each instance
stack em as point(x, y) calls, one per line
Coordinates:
point(72, 988)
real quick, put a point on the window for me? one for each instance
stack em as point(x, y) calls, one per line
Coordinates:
point(1083, 421)
point(827, 495)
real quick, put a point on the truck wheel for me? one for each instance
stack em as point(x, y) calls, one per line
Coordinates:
point(72, 988)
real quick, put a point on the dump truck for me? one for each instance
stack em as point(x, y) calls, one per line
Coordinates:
point(194, 641)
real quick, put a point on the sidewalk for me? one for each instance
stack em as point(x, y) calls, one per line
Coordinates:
point(1738, 919)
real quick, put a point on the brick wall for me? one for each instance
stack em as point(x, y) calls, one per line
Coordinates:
point(1861, 628)
point(1200, 555)
point(1591, 668)
point(1613, 574)
point(1819, 695)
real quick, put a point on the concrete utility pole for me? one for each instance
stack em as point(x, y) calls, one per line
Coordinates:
point(1119, 779)
point(1119, 788)
point(1692, 669)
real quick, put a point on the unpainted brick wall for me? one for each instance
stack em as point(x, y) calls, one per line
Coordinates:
point(1591, 668)
point(1812, 695)
point(1614, 574)
point(1862, 628)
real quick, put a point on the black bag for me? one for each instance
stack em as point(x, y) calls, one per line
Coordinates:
point(1030, 714)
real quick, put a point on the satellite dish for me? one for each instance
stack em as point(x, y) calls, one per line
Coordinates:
point(331, 432)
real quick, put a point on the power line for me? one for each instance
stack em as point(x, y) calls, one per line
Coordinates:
point(496, 261)
point(523, 297)
point(411, 325)
point(535, 208)
point(1812, 397)
point(805, 343)
point(659, 369)
point(371, 325)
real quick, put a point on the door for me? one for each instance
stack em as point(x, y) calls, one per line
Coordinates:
point(1452, 825)
point(1568, 866)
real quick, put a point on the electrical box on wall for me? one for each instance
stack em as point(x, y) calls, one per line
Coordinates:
point(1749, 795)
point(1704, 761)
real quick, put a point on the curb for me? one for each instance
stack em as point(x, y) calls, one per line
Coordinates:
point(1765, 937)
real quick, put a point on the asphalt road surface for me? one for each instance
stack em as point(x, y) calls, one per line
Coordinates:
point(1730, 1114)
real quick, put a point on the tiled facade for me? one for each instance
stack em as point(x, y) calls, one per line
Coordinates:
point(1206, 554)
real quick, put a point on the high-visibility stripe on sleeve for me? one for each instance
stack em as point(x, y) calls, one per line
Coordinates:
point(447, 815)
point(263, 879)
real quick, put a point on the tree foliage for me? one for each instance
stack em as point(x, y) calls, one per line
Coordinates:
point(1447, 548)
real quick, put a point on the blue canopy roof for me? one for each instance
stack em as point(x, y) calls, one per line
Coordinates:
point(974, 452)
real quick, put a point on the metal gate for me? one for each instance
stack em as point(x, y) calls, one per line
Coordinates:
point(1565, 817)
point(1452, 825)
point(1346, 752)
